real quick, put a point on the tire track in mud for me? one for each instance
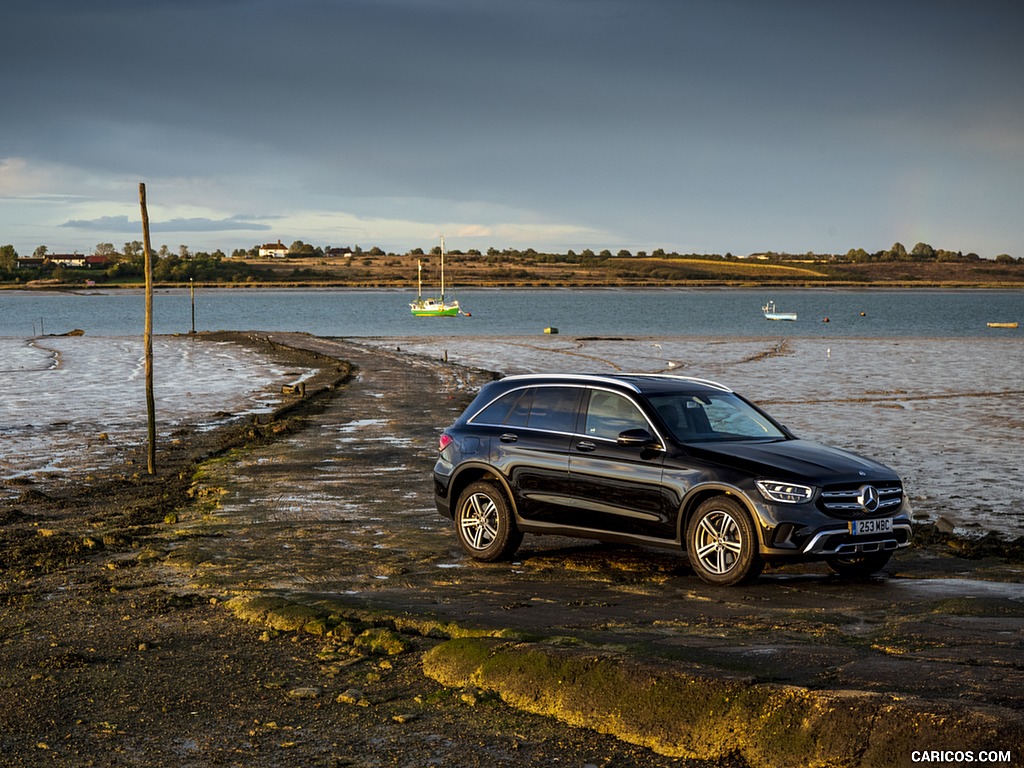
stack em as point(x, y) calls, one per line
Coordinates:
point(580, 344)
point(781, 349)
point(344, 506)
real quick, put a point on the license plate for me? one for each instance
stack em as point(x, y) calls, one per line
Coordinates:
point(874, 525)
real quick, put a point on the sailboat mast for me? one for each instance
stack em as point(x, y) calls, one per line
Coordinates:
point(442, 269)
point(419, 279)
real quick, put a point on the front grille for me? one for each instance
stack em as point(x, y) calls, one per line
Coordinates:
point(843, 501)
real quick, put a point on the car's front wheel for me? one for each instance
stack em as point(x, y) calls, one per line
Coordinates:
point(722, 544)
point(859, 566)
point(484, 522)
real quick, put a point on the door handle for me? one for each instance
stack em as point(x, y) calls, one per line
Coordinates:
point(586, 446)
point(509, 437)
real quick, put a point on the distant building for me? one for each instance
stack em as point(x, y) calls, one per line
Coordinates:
point(338, 253)
point(75, 260)
point(66, 259)
point(273, 250)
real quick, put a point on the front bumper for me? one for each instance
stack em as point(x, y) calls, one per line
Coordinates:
point(838, 542)
point(804, 532)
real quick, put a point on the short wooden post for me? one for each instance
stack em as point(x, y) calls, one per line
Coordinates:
point(148, 333)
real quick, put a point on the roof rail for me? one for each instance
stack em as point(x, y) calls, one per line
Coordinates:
point(694, 379)
point(622, 379)
point(575, 377)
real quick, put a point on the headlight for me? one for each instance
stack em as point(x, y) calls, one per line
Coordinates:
point(785, 493)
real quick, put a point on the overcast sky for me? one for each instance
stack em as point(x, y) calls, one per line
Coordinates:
point(691, 125)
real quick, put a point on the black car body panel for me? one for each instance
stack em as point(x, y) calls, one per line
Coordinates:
point(633, 457)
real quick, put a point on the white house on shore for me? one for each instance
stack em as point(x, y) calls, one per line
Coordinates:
point(273, 250)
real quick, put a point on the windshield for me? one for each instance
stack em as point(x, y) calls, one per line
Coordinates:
point(716, 416)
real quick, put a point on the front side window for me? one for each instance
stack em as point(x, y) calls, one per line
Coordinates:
point(609, 414)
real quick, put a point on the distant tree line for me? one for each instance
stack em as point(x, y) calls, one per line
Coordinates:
point(127, 264)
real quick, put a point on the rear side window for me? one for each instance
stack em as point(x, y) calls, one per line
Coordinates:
point(552, 409)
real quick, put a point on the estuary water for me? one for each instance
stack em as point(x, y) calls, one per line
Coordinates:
point(914, 378)
point(499, 312)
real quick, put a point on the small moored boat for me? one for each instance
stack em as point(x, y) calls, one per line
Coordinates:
point(1003, 325)
point(771, 313)
point(433, 307)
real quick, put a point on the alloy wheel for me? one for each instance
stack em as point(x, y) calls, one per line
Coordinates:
point(479, 521)
point(718, 542)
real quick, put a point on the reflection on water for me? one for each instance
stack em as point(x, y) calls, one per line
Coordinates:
point(74, 404)
point(31, 355)
point(689, 312)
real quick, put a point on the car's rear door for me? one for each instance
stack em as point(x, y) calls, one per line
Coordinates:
point(531, 448)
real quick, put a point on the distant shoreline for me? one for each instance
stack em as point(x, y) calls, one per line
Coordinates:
point(526, 285)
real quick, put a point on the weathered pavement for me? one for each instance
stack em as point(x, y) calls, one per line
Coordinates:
point(340, 518)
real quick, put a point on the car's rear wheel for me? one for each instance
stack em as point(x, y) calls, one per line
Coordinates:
point(859, 566)
point(722, 544)
point(484, 523)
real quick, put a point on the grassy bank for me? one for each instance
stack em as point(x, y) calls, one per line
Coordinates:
point(522, 271)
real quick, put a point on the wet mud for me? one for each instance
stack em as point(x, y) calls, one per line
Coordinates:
point(354, 499)
point(318, 530)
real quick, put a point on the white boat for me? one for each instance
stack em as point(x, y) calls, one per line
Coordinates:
point(432, 307)
point(770, 313)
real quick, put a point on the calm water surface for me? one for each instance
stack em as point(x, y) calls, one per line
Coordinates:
point(654, 312)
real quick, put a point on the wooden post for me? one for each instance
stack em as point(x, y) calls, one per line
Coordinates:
point(148, 334)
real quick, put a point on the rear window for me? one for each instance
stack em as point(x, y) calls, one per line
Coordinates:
point(498, 412)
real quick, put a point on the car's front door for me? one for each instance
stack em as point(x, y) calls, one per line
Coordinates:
point(616, 484)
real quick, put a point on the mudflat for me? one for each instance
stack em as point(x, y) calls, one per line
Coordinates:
point(276, 595)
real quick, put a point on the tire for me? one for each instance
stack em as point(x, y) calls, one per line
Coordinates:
point(722, 544)
point(859, 566)
point(484, 524)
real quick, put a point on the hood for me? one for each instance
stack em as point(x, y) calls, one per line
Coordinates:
point(795, 460)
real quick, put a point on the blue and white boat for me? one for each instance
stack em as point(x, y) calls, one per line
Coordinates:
point(770, 313)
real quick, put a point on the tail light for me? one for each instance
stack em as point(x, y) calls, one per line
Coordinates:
point(444, 441)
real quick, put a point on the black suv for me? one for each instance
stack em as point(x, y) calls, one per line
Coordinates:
point(665, 461)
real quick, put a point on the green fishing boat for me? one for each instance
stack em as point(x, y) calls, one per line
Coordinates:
point(437, 306)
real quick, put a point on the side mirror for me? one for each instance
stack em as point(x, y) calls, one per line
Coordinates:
point(637, 438)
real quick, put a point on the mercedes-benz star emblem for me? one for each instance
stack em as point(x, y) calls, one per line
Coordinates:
point(868, 498)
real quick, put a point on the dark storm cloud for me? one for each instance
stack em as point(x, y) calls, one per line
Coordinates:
point(676, 121)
